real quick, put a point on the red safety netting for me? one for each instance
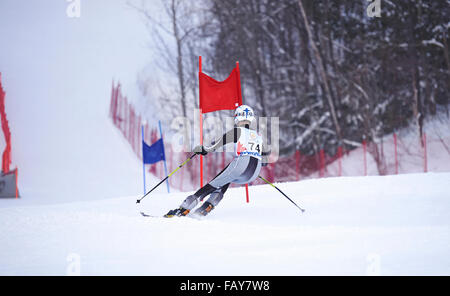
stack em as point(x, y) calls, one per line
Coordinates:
point(6, 157)
point(393, 155)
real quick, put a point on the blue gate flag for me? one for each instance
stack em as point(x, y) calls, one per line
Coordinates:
point(154, 153)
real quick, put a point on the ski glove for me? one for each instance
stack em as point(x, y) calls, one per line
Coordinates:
point(200, 150)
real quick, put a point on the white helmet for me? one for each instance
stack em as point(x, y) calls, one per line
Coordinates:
point(243, 112)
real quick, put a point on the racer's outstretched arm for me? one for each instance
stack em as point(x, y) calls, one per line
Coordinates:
point(229, 137)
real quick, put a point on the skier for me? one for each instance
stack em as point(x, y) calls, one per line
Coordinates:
point(243, 169)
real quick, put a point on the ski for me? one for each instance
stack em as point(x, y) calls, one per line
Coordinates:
point(154, 216)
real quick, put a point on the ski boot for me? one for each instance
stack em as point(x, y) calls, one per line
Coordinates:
point(204, 209)
point(177, 212)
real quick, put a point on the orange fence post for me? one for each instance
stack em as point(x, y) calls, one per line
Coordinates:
point(17, 187)
point(395, 154)
point(425, 159)
point(322, 163)
point(365, 157)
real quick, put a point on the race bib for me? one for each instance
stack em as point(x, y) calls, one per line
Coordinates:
point(249, 143)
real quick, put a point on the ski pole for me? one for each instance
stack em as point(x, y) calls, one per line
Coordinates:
point(281, 193)
point(167, 177)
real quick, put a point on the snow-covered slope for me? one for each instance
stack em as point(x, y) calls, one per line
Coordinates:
point(393, 225)
point(57, 72)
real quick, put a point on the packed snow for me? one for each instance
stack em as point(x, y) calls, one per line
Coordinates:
point(391, 225)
